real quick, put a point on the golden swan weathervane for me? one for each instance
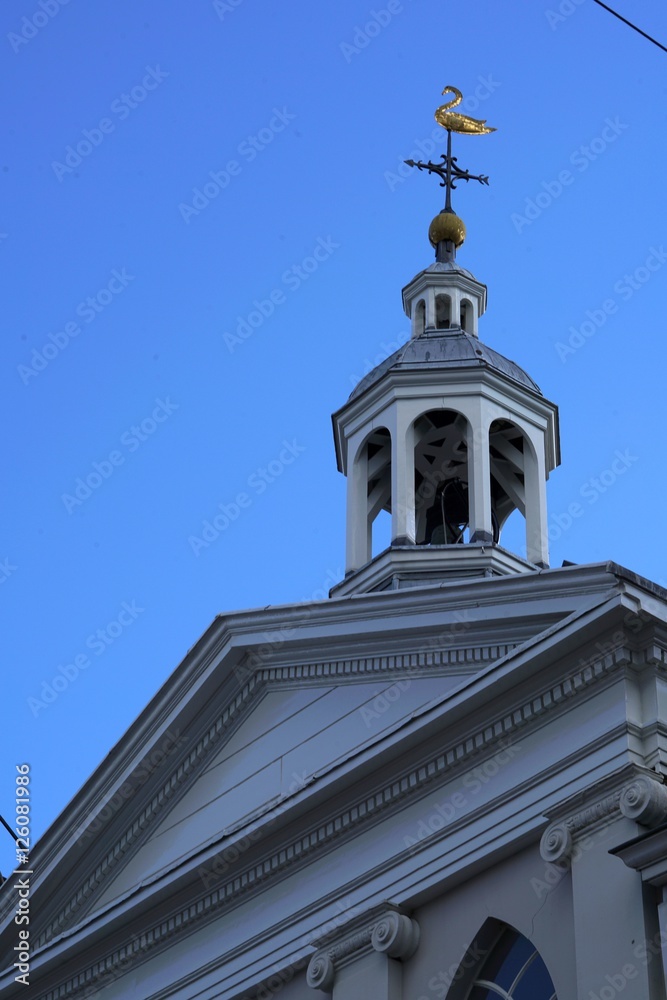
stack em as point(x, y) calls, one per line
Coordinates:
point(454, 122)
point(447, 231)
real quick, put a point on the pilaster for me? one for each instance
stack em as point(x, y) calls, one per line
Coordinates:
point(617, 934)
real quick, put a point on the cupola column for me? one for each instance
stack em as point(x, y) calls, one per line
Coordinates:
point(358, 523)
point(403, 526)
point(537, 537)
point(479, 472)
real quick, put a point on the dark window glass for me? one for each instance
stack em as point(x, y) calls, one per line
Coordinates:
point(513, 971)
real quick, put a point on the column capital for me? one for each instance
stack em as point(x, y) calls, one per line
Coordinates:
point(645, 801)
point(558, 840)
point(642, 798)
point(385, 929)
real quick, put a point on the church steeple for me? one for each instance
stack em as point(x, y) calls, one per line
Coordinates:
point(446, 434)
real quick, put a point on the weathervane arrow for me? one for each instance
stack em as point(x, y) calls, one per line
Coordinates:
point(449, 171)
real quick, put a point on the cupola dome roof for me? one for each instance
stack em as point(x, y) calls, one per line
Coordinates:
point(446, 349)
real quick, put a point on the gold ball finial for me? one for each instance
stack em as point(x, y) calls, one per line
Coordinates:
point(447, 226)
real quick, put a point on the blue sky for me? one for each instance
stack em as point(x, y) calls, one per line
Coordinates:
point(205, 234)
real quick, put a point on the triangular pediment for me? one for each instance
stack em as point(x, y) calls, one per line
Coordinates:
point(287, 737)
point(233, 736)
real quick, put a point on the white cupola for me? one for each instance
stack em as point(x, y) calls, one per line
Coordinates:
point(449, 437)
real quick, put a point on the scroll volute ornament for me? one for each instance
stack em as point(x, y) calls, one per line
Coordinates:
point(396, 935)
point(321, 973)
point(645, 801)
point(556, 844)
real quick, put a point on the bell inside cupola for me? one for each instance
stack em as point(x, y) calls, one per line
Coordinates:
point(448, 518)
point(441, 482)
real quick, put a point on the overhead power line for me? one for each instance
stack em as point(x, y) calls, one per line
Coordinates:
point(630, 24)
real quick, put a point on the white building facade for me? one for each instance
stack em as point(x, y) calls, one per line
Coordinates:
point(444, 783)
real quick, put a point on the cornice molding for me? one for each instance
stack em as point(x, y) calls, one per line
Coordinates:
point(646, 854)
point(655, 655)
point(398, 382)
point(435, 656)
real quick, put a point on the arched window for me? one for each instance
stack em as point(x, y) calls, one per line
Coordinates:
point(443, 312)
point(511, 970)
point(420, 318)
point(466, 315)
point(379, 490)
point(441, 478)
